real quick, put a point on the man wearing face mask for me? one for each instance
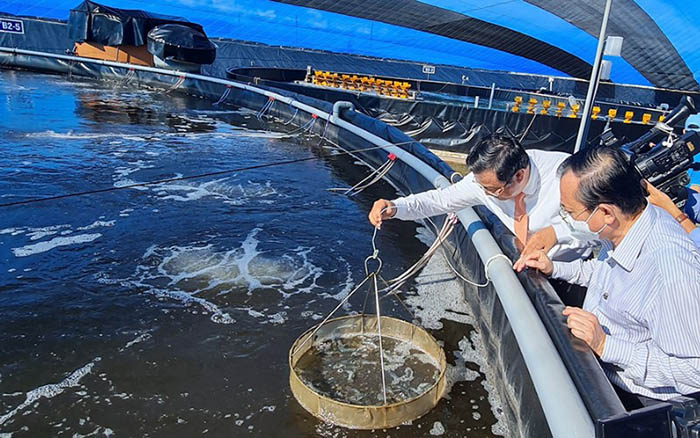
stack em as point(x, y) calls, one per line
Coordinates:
point(520, 187)
point(640, 314)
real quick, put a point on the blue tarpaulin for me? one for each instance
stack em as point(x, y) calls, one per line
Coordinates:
point(659, 48)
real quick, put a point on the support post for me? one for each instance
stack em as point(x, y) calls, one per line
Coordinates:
point(593, 83)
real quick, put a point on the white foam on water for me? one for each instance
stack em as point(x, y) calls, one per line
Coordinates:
point(189, 273)
point(16, 88)
point(56, 242)
point(265, 134)
point(184, 130)
point(128, 182)
point(123, 171)
point(437, 429)
point(278, 318)
point(326, 429)
point(233, 194)
point(222, 111)
point(255, 313)
point(186, 191)
point(51, 390)
point(348, 284)
point(70, 135)
point(439, 295)
point(35, 233)
point(99, 431)
point(97, 224)
point(217, 315)
point(140, 338)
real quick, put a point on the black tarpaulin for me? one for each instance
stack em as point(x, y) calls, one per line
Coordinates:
point(645, 46)
point(420, 16)
point(93, 22)
point(181, 43)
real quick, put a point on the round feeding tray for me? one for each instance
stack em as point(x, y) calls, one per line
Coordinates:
point(337, 375)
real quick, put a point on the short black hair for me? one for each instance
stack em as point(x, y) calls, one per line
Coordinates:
point(606, 177)
point(502, 155)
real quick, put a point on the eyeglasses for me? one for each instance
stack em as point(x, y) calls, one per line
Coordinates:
point(569, 217)
point(496, 193)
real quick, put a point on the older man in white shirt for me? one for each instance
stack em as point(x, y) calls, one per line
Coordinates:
point(520, 187)
point(641, 314)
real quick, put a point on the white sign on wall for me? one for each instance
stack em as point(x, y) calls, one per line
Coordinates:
point(11, 26)
point(429, 69)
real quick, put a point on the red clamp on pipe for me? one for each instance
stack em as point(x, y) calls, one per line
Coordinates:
point(229, 85)
point(314, 116)
point(272, 99)
point(392, 157)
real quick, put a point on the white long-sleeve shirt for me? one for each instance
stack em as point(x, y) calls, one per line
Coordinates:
point(541, 202)
point(646, 295)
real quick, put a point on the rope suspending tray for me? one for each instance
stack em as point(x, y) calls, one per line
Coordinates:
point(367, 371)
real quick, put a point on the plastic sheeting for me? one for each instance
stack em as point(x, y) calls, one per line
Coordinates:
point(93, 22)
point(367, 417)
point(181, 43)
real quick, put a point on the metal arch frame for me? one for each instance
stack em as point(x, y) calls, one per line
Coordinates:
point(420, 16)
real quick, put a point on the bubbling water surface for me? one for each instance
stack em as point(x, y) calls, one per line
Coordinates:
point(348, 369)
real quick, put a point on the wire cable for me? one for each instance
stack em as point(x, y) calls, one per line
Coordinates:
point(181, 178)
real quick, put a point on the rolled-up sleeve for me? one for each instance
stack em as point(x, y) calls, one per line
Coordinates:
point(465, 193)
point(577, 272)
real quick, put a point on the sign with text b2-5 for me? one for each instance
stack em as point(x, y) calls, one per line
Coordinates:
point(11, 26)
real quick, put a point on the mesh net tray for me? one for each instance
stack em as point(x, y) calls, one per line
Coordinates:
point(326, 395)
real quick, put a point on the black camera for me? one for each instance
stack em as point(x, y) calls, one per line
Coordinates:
point(666, 167)
point(663, 157)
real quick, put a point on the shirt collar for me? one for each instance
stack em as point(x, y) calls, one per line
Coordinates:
point(533, 184)
point(627, 252)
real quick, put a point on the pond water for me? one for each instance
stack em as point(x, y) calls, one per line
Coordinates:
point(169, 309)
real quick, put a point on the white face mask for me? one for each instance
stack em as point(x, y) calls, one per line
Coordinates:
point(580, 229)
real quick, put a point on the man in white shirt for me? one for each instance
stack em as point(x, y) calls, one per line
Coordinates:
point(641, 314)
point(520, 187)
